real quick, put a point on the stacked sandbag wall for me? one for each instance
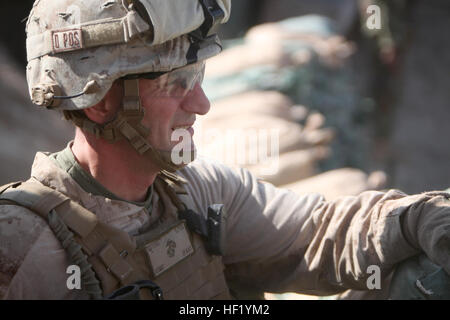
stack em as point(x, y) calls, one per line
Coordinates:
point(289, 78)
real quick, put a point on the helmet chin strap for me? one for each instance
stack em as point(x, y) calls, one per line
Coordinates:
point(128, 125)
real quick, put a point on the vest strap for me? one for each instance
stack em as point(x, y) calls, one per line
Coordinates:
point(95, 238)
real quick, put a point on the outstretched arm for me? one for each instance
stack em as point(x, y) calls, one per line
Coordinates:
point(279, 241)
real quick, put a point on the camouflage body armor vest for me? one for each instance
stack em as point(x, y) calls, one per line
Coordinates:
point(179, 258)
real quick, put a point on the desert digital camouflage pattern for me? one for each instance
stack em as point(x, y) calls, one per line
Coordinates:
point(83, 46)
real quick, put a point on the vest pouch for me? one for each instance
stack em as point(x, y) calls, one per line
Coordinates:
point(215, 243)
point(212, 229)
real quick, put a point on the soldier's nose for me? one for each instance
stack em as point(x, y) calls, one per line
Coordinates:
point(196, 101)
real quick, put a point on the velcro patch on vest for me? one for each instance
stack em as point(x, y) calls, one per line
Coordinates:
point(67, 40)
point(169, 248)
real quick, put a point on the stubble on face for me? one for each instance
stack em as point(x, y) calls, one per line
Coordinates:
point(164, 117)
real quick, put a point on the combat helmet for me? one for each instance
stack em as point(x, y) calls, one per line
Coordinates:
point(76, 49)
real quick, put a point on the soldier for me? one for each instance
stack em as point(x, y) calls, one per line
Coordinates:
point(119, 206)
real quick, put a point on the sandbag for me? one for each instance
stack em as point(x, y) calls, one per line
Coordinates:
point(339, 182)
point(291, 166)
point(270, 103)
point(218, 136)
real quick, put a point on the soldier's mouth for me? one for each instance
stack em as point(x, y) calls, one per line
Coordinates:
point(188, 128)
point(182, 127)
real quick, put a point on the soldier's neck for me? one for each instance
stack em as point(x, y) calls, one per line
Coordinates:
point(116, 166)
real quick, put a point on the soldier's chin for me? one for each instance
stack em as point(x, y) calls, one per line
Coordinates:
point(185, 142)
point(183, 145)
point(179, 157)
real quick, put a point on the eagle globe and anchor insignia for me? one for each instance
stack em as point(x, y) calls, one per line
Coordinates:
point(170, 247)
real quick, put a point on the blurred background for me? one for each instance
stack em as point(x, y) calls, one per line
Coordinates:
point(355, 108)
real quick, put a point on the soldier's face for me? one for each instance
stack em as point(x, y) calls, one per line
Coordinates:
point(166, 113)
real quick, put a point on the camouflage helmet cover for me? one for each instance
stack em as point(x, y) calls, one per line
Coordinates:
point(81, 46)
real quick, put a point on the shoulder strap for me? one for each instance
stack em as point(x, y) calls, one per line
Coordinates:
point(212, 229)
point(102, 243)
point(9, 185)
point(43, 201)
point(33, 196)
point(176, 190)
point(6, 187)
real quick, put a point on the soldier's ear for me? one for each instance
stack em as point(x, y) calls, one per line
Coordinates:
point(97, 113)
point(106, 110)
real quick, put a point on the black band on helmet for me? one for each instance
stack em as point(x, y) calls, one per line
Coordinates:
point(213, 17)
point(140, 9)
